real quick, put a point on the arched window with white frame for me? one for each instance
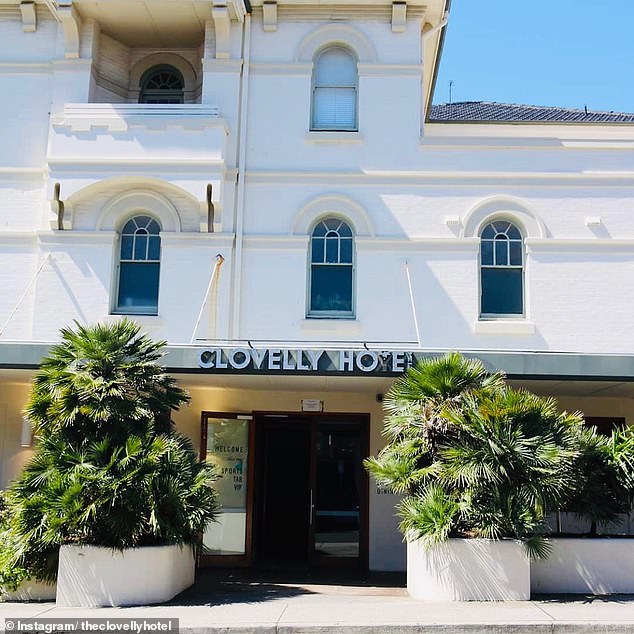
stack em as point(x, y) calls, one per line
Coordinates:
point(331, 269)
point(335, 90)
point(501, 270)
point(139, 267)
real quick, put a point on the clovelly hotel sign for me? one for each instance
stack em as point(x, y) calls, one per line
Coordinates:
point(293, 361)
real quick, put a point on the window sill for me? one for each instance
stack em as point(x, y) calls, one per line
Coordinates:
point(504, 327)
point(331, 324)
point(334, 136)
point(142, 320)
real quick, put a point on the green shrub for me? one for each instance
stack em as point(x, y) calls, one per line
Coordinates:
point(473, 457)
point(11, 575)
point(604, 477)
point(109, 467)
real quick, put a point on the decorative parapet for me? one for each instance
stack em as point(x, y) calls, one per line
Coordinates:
point(120, 117)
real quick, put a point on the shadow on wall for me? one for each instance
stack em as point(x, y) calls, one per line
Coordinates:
point(438, 280)
point(469, 570)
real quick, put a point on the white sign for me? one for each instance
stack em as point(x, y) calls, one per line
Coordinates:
point(312, 405)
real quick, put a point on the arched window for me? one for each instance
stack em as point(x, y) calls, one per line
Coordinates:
point(501, 269)
point(335, 87)
point(331, 269)
point(162, 84)
point(139, 266)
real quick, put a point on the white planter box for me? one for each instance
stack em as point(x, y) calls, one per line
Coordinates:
point(30, 591)
point(94, 576)
point(585, 565)
point(469, 570)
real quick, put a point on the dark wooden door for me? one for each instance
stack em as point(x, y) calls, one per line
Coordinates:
point(311, 490)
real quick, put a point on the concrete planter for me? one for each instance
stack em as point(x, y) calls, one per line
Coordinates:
point(31, 590)
point(584, 565)
point(468, 570)
point(94, 576)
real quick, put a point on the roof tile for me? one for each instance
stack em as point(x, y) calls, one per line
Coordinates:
point(517, 113)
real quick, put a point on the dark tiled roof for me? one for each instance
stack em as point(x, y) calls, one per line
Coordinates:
point(515, 113)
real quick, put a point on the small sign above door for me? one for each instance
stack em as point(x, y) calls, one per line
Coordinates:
point(312, 405)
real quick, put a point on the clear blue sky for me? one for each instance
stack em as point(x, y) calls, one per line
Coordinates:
point(566, 53)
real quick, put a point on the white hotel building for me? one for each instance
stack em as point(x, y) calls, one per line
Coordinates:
point(266, 187)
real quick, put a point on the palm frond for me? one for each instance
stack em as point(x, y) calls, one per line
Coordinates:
point(109, 467)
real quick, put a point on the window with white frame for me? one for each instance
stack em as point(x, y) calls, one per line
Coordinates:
point(335, 88)
point(162, 85)
point(139, 267)
point(501, 270)
point(331, 269)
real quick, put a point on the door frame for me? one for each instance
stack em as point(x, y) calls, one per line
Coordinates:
point(233, 560)
point(257, 419)
point(313, 418)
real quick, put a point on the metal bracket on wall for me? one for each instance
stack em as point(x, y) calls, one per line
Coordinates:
point(60, 221)
point(210, 209)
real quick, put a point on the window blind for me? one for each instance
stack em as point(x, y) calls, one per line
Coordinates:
point(335, 84)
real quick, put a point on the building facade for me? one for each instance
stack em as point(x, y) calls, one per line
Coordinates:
point(263, 187)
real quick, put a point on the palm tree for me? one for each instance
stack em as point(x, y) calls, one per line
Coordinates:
point(605, 477)
point(473, 457)
point(109, 467)
point(415, 423)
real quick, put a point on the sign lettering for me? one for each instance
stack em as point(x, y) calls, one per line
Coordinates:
point(286, 360)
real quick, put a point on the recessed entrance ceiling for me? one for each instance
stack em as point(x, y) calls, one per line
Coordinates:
point(155, 23)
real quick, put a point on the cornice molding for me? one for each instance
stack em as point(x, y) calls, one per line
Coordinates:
point(21, 172)
point(530, 136)
point(222, 65)
point(580, 245)
point(467, 245)
point(203, 240)
point(321, 12)
point(276, 242)
point(12, 238)
point(34, 68)
point(390, 70)
point(62, 238)
point(281, 68)
point(427, 178)
point(119, 117)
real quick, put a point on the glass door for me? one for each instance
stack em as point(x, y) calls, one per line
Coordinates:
point(282, 490)
point(338, 492)
point(226, 440)
point(292, 489)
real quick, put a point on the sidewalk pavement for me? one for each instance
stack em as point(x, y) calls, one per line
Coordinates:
point(256, 607)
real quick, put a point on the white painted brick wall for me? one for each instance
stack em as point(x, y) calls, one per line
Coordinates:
point(579, 297)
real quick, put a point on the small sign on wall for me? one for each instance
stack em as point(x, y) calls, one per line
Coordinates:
point(312, 405)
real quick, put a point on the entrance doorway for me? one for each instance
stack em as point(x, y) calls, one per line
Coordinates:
point(311, 489)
